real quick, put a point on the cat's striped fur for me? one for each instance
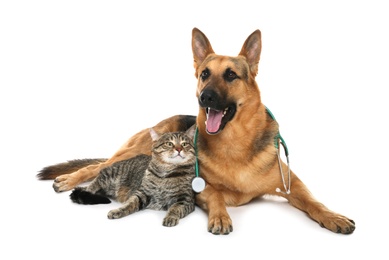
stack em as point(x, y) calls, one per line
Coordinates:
point(161, 181)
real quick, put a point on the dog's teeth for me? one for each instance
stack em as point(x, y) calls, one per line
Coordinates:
point(225, 111)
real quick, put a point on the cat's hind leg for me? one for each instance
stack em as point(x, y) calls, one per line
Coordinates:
point(81, 196)
point(89, 195)
point(132, 205)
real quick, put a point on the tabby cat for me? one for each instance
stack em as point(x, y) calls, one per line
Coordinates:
point(161, 181)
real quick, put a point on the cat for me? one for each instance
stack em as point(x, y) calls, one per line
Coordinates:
point(160, 181)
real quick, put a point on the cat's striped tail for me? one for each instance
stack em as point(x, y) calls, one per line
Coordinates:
point(81, 196)
point(53, 171)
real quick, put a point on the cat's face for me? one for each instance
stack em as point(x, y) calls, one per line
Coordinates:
point(175, 148)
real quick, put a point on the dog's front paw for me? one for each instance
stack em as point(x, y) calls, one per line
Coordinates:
point(220, 225)
point(337, 223)
point(64, 183)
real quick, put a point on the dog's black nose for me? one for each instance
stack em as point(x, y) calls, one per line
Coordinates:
point(208, 98)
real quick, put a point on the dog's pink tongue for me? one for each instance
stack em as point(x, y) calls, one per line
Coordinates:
point(214, 120)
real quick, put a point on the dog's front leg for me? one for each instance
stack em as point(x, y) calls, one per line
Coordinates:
point(301, 198)
point(212, 201)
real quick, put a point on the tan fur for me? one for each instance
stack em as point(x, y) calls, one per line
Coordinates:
point(240, 162)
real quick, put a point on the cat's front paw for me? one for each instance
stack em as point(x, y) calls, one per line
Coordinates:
point(170, 221)
point(116, 213)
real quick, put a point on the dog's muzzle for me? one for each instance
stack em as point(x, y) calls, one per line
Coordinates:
point(219, 112)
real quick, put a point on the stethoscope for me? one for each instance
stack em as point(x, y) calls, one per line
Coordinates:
point(277, 141)
point(198, 183)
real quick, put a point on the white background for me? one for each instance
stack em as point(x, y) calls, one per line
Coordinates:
point(78, 78)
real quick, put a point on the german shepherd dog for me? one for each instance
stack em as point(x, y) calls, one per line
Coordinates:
point(238, 158)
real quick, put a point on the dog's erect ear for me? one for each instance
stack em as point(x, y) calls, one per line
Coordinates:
point(252, 50)
point(201, 47)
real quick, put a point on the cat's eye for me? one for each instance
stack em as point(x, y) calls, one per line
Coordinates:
point(169, 144)
point(184, 144)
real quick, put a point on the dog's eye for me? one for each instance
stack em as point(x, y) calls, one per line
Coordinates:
point(205, 74)
point(230, 75)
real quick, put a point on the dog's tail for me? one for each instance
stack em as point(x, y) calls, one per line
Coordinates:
point(81, 196)
point(53, 171)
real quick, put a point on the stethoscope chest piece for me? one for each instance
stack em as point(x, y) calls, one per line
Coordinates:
point(198, 184)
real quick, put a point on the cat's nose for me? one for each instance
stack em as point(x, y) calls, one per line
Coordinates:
point(178, 149)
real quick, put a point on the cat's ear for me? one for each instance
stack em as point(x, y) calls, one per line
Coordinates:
point(154, 135)
point(191, 131)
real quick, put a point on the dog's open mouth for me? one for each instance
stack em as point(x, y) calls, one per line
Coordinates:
point(217, 119)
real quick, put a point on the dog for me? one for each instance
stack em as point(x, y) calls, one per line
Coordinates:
point(237, 143)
